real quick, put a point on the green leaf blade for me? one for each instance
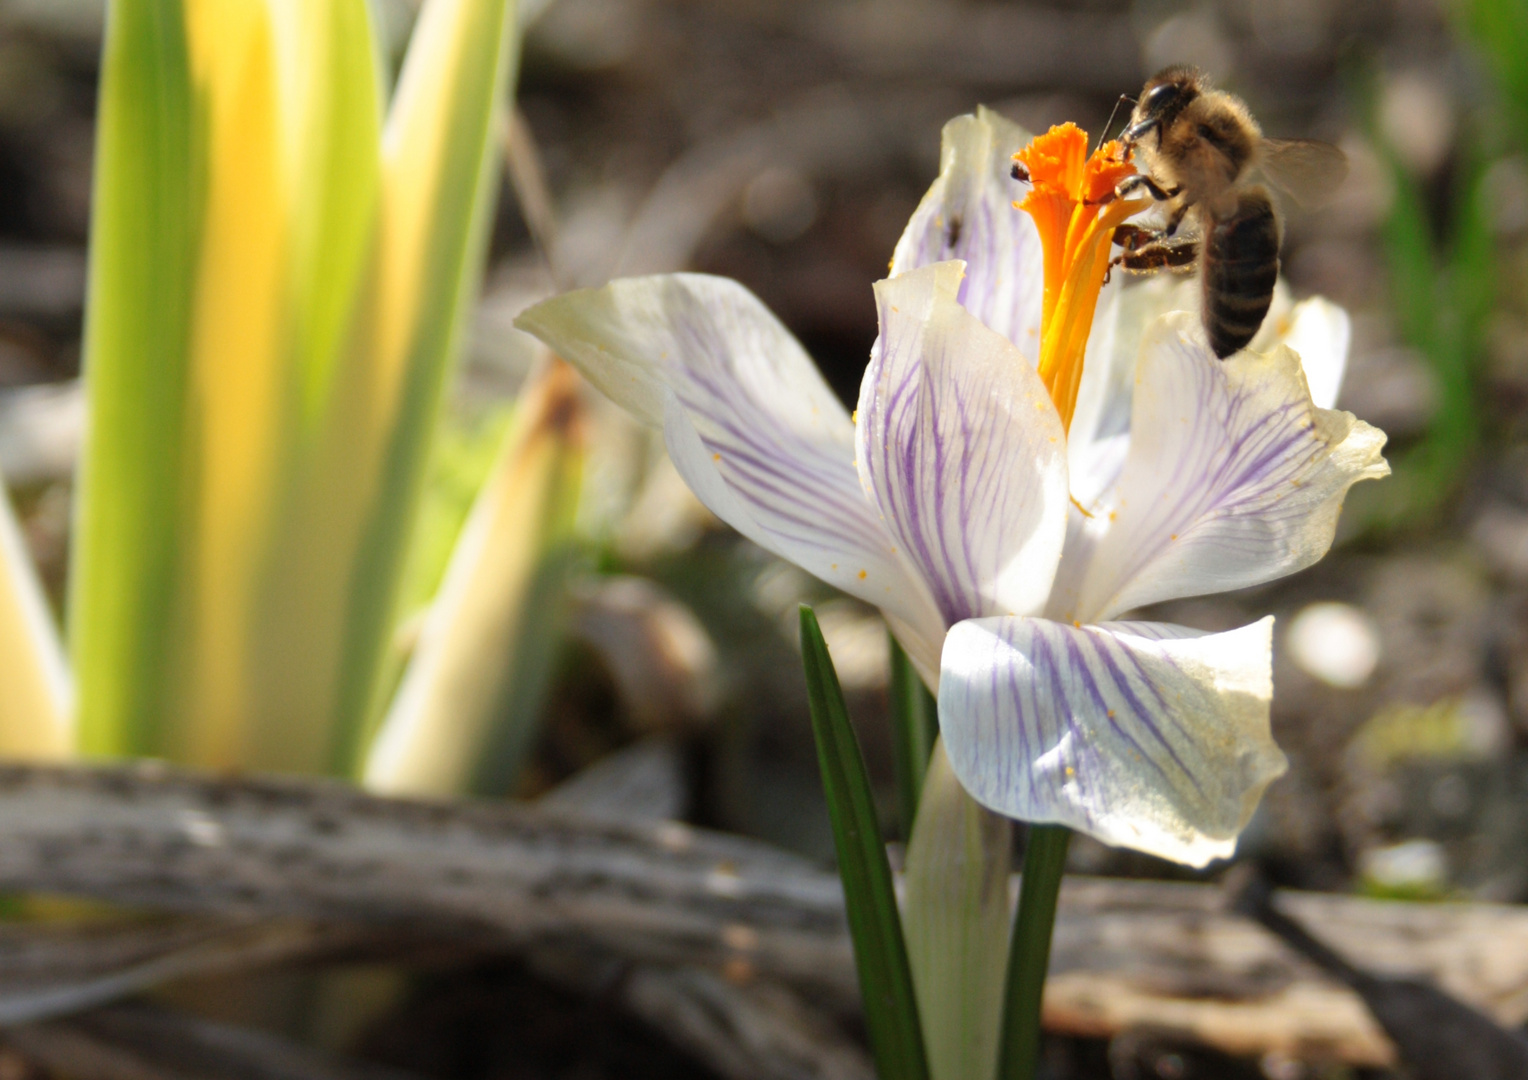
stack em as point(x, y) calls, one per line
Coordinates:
point(129, 501)
point(891, 1010)
point(914, 727)
point(1029, 950)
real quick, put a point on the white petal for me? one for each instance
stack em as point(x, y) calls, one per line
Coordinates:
point(1233, 476)
point(748, 421)
point(1317, 329)
point(968, 214)
point(1100, 429)
point(963, 451)
point(1144, 735)
point(1320, 332)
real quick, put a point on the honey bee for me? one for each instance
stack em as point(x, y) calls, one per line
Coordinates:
point(1201, 151)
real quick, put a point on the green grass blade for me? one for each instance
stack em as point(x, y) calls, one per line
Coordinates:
point(914, 727)
point(891, 1010)
point(1029, 950)
point(1499, 28)
point(129, 498)
point(1441, 295)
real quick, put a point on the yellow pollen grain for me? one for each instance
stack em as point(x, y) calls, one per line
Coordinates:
point(716, 457)
point(863, 574)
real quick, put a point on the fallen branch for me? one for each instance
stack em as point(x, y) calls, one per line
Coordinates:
point(150, 1042)
point(487, 877)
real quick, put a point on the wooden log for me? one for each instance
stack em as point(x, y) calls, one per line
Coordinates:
point(1129, 954)
point(141, 1041)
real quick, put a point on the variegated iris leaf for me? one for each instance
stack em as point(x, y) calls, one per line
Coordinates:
point(1000, 547)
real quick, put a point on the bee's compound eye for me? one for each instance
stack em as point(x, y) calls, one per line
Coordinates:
point(1159, 97)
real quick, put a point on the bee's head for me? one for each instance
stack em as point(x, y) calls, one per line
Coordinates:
point(1164, 96)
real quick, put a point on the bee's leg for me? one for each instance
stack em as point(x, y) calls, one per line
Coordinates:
point(1141, 180)
point(1176, 218)
point(1158, 254)
point(1133, 237)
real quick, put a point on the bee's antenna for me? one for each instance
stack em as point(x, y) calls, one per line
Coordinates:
point(1110, 122)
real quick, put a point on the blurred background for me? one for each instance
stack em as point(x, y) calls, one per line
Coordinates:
point(784, 143)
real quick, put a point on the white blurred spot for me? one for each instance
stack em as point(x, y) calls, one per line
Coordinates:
point(857, 641)
point(1278, 1066)
point(723, 881)
point(201, 829)
point(778, 588)
point(675, 837)
point(1415, 864)
point(740, 937)
point(1335, 643)
point(779, 205)
point(1418, 120)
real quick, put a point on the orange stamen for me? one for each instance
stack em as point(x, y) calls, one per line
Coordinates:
point(1073, 205)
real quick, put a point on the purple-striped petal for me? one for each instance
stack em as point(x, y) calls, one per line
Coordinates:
point(968, 214)
point(748, 421)
point(962, 450)
point(1233, 477)
point(1143, 735)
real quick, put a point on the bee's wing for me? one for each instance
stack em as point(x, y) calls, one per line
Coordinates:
point(1306, 170)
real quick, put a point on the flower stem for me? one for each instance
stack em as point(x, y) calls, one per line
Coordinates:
point(1029, 950)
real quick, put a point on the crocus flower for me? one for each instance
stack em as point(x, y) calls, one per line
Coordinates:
point(1034, 455)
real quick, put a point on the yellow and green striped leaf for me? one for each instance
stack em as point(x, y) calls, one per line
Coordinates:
point(466, 710)
point(145, 226)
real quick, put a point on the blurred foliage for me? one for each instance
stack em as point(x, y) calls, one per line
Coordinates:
point(1498, 29)
point(461, 459)
point(1445, 275)
point(1443, 293)
point(281, 265)
point(278, 283)
point(468, 707)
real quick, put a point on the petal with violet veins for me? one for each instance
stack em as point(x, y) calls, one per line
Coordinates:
point(1143, 735)
point(1233, 476)
point(962, 450)
point(968, 214)
point(1319, 330)
point(748, 421)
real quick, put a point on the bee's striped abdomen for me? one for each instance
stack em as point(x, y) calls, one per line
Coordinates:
point(1239, 263)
